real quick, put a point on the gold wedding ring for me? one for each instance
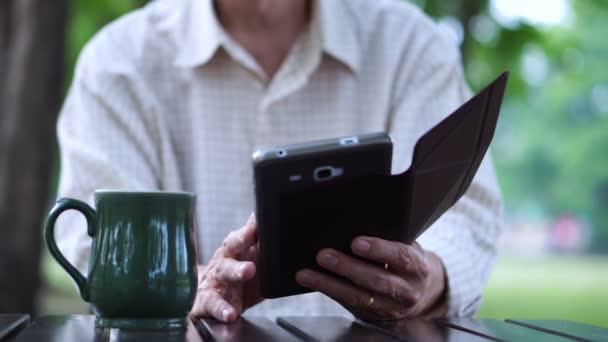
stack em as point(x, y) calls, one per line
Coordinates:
point(369, 303)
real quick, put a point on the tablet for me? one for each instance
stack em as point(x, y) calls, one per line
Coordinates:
point(308, 199)
point(291, 170)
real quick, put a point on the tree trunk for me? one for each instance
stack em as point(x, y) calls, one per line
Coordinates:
point(32, 38)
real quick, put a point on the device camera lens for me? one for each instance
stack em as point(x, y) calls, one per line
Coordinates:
point(323, 173)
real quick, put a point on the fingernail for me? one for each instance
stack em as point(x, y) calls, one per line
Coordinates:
point(361, 245)
point(251, 219)
point(225, 314)
point(305, 278)
point(241, 269)
point(328, 259)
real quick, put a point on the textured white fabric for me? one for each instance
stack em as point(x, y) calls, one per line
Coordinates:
point(164, 99)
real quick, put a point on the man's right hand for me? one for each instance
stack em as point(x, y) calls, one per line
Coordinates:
point(228, 284)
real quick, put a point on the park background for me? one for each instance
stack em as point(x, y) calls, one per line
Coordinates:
point(550, 148)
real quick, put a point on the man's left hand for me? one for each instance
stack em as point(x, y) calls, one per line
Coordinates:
point(391, 281)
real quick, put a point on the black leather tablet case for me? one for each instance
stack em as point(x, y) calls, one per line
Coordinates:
point(394, 207)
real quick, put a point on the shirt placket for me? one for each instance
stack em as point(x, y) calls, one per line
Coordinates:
point(302, 61)
point(293, 74)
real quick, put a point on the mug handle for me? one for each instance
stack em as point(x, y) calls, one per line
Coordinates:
point(60, 206)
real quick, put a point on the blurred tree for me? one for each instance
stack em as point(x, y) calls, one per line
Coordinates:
point(461, 10)
point(552, 135)
point(32, 34)
point(87, 17)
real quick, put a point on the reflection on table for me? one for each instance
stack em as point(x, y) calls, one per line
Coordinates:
point(81, 328)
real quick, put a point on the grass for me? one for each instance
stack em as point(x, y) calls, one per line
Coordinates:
point(555, 287)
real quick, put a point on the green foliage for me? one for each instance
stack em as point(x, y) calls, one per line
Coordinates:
point(86, 18)
point(551, 142)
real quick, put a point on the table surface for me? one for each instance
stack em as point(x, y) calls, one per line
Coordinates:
point(81, 328)
point(10, 324)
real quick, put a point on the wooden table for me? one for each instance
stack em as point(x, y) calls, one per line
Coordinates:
point(12, 323)
point(67, 328)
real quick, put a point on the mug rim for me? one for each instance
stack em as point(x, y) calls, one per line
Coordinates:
point(144, 192)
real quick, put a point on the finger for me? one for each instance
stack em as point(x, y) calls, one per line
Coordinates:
point(251, 220)
point(200, 271)
point(347, 294)
point(211, 304)
point(233, 271)
point(400, 258)
point(336, 289)
point(251, 254)
point(369, 276)
point(239, 241)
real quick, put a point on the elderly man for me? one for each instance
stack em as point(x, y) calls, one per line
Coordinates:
point(177, 95)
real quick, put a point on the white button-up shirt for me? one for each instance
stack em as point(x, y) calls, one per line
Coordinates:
point(163, 98)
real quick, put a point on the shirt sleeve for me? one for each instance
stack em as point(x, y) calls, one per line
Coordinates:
point(108, 140)
point(465, 237)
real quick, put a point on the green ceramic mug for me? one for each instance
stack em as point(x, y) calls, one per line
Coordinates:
point(142, 269)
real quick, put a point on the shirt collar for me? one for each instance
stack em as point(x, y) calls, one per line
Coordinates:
point(338, 31)
point(202, 33)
